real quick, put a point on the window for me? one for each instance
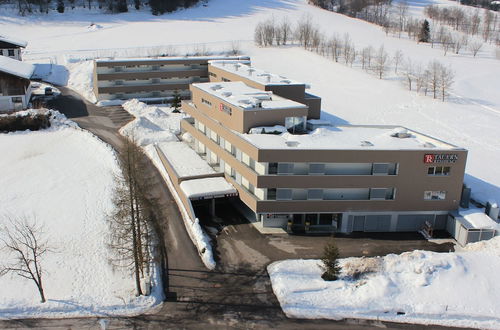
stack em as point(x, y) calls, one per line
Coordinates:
point(378, 193)
point(439, 170)
point(17, 99)
point(11, 52)
point(312, 219)
point(212, 74)
point(155, 80)
point(271, 194)
point(118, 69)
point(316, 168)
point(156, 67)
point(118, 82)
point(434, 195)
point(273, 168)
point(325, 219)
point(206, 102)
point(380, 168)
point(285, 168)
point(225, 79)
point(283, 194)
point(315, 194)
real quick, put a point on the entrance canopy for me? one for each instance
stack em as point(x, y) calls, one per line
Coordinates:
point(207, 188)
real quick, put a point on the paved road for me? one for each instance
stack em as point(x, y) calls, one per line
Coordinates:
point(236, 296)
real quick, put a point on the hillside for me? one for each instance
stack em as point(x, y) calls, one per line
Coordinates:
point(470, 118)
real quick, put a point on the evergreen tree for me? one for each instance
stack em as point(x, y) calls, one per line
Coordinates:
point(121, 6)
point(137, 4)
point(60, 6)
point(330, 263)
point(425, 32)
point(176, 101)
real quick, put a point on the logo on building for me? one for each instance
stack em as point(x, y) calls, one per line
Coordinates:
point(440, 158)
point(225, 108)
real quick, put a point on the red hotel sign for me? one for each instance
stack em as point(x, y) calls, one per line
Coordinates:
point(440, 158)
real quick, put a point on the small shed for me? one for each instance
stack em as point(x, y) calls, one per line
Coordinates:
point(471, 225)
point(15, 84)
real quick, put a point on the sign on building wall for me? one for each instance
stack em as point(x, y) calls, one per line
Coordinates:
point(225, 108)
point(440, 158)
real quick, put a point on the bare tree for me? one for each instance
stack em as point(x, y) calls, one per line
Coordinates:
point(446, 42)
point(475, 23)
point(446, 76)
point(381, 62)
point(402, 10)
point(335, 45)
point(347, 48)
point(434, 72)
point(409, 72)
point(304, 31)
point(134, 210)
point(396, 59)
point(286, 30)
point(474, 46)
point(366, 57)
point(459, 42)
point(22, 237)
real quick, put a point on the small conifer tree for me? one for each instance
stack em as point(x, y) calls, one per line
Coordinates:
point(425, 32)
point(176, 101)
point(60, 6)
point(330, 263)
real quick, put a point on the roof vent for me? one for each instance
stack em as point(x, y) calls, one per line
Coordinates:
point(250, 71)
point(268, 78)
point(236, 67)
point(401, 133)
point(366, 144)
point(227, 94)
point(428, 145)
point(292, 144)
point(286, 81)
point(216, 87)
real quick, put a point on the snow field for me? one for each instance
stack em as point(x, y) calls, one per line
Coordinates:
point(64, 176)
point(451, 289)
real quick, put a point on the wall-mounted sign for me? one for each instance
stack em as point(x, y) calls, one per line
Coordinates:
point(225, 108)
point(440, 158)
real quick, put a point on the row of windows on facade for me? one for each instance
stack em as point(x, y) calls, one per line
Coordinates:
point(314, 194)
point(7, 52)
point(147, 93)
point(158, 80)
point(159, 67)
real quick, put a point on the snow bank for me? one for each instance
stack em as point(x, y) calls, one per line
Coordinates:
point(81, 79)
point(64, 176)
point(451, 289)
point(152, 124)
point(185, 161)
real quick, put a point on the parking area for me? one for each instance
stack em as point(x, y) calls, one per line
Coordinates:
point(238, 244)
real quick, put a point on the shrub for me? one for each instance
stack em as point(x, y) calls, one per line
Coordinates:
point(33, 122)
point(358, 267)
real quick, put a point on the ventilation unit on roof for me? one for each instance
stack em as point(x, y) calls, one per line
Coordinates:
point(250, 71)
point(292, 144)
point(216, 87)
point(236, 67)
point(286, 81)
point(366, 144)
point(227, 94)
point(401, 133)
point(428, 145)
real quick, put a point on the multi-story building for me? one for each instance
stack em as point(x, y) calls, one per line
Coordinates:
point(10, 47)
point(227, 70)
point(150, 78)
point(15, 84)
point(342, 178)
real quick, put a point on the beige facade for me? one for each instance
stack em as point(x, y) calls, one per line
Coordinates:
point(396, 183)
point(224, 71)
point(148, 78)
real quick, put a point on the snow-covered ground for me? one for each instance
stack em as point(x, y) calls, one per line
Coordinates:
point(153, 126)
point(469, 119)
point(63, 176)
point(453, 289)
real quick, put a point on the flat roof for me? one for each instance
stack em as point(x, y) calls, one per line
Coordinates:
point(475, 218)
point(169, 58)
point(207, 188)
point(257, 75)
point(351, 138)
point(185, 161)
point(247, 98)
point(16, 68)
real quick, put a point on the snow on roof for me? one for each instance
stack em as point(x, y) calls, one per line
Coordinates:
point(257, 75)
point(17, 42)
point(350, 137)
point(16, 68)
point(185, 161)
point(207, 187)
point(171, 58)
point(246, 97)
point(478, 219)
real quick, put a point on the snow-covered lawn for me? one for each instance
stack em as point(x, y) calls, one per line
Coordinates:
point(158, 125)
point(64, 177)
point(454, 289)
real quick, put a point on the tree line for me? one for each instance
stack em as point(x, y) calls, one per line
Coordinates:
point(157, 7)
point(433, 79)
